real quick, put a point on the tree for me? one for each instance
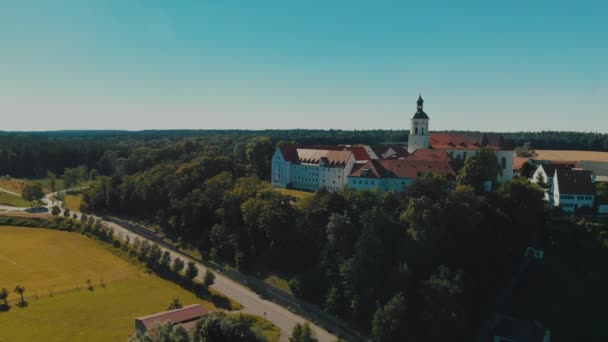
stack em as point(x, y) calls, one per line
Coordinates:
point(525, 151)
point(445, 304)
point(71, 178)
point(55, 210)
point(218, 327)
point(479, 169)
point(178, 264)
point(165, 260)
point(389, 321)
point(209, 278)
point(155, 253)
point(20, 289)
point(191, 271)
point(32, 192)
point(302, 333)
point(540, 180)
point(4, 296)
point(175, 304)
point(52, 180)
point(162, 332)
point(66, 212)
point(259, 152)
point(424, 219)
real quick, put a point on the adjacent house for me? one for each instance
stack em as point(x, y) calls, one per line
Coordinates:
point(573, 189)
point(186, 316)
point(395, 174)
point(545, 171)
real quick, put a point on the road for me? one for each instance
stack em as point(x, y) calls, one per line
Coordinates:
point(252, 302)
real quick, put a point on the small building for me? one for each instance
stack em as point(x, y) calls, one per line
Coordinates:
point(573, 189)
point(186, 316)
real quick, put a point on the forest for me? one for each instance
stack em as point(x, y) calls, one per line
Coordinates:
point(395, 265)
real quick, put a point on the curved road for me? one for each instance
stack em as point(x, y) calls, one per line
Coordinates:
point(252, 302)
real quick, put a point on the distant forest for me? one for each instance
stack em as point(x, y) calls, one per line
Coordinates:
point(32, 154)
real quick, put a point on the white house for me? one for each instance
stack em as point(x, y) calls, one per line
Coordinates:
point(573, 189)
point(547, 170)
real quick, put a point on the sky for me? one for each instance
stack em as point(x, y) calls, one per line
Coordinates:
point(212, 64)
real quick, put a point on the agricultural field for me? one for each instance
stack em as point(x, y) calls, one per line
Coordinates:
point(72, 201)
point(54, 267)
point(13, 200)
point(558, 155)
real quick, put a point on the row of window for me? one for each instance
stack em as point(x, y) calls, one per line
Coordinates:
point(578, 197)
point(575, 205)
point(364, 181)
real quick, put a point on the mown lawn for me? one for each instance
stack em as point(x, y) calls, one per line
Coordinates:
point(54, 266)
point(72, 201)
point(296, 193)
point(12, 200)
point(104, 314)
point(16, 185)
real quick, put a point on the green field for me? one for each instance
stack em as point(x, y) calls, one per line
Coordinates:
point(16, 185)
point(12, 200)
point(72, 201)
point(54, 266)
point(296, 193)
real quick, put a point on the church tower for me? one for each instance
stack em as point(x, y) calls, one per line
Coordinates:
point(419, 129)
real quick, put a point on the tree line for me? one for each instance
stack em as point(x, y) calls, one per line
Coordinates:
point(395, 265)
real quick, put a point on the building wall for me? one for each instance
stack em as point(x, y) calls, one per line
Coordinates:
point(602, 209)
point(305, 176)
point(541, 171)
point(570, 202)
point(383, 185)
point(361, 183)
point(280, 170)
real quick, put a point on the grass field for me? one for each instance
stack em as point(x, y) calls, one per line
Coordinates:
point(16, 185)
point(72, 201)
point(12, 200)
point(296, 193)
point(54, 266)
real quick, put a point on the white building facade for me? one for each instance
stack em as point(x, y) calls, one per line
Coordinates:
point(573, 189)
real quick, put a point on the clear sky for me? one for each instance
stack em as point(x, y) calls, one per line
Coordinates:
point(128, 64)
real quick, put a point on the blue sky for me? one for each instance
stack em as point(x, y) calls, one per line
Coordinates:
point(486, 65)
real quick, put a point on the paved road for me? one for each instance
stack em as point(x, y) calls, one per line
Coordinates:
point(252, 302)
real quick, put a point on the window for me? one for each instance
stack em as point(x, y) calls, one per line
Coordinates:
point(416, 130)
point(503, 162)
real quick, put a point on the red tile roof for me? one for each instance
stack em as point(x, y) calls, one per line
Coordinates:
point(577, 182)
point(289, 152)
point(359, 152)
point(402, 168)
point(184, 316)
point(371, 169)
point(333, 158)
point(429, 155)
point(518, 163)
point(412, 168)
point(469, 141)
